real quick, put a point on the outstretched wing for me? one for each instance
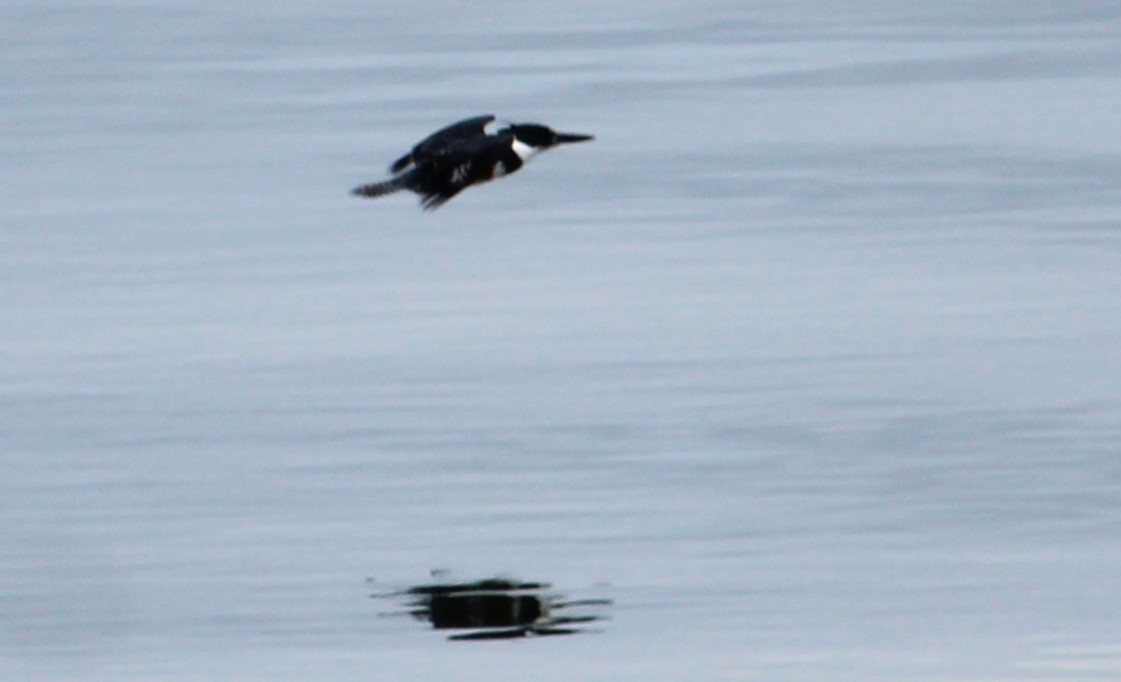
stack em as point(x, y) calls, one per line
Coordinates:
point(443, 140)
point(445, 175)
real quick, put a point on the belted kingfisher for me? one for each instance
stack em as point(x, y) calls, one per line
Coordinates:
point(470, 152)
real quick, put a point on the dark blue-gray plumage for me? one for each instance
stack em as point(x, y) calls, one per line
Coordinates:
point(470, 152)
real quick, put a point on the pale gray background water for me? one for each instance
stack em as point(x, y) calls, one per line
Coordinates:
point(812, 356)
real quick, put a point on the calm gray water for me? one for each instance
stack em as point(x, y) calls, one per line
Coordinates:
point(810, 361)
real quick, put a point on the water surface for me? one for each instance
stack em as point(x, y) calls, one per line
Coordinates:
point(811, 357)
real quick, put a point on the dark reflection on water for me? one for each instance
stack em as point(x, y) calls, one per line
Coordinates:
point(496, 608)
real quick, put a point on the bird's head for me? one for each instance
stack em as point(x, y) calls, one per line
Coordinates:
point(542, 137)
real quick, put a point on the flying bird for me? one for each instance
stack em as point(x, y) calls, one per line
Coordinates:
point(470, 152)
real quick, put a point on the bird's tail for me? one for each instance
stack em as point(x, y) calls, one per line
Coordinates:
point(377, 189)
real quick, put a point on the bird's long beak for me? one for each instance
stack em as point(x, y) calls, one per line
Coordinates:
point(565, 138)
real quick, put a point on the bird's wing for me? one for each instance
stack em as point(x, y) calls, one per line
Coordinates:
point(459, 166)
point(442, 141)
